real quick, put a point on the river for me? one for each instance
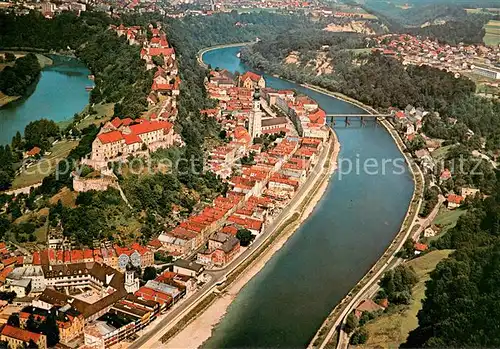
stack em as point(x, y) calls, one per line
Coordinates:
point(58, 95)
point(350, 228)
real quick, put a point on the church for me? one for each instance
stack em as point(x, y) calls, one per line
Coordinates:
point(258, 124)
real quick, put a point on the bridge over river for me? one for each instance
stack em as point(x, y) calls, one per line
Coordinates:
point(347, 118)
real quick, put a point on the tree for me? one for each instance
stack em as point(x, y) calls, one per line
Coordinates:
point(38, 133)
point(13, 320)
point(50, 329)
point(149, 273)
point(17, 141)
point(359, 337)
point(245, 236)
point(9, 57)
point(31, 324)
point(398, 284)
point(351, 323)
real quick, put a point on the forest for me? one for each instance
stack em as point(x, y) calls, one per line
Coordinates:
point(447, 22)
point(460, 304)
point(378, 81)
point(16, 80)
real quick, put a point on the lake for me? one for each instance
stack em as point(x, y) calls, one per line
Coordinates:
point(58, 95)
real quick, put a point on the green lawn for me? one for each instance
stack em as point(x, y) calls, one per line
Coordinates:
point(45, 166)
point(392, 329)
point(448, 218)
point(440, 153)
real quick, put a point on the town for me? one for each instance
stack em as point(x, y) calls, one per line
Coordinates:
point(273, 141)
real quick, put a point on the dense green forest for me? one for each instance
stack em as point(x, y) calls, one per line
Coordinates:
point(16, 80)
point(468, 30)
point(460, 308)
point(378, 81)
point(446, 22)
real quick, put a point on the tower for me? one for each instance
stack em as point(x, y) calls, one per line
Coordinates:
point(255, 120)
point(131, 282)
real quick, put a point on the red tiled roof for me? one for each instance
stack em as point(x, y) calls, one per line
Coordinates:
point(76, 255)
point(156, 51)
point(421, 247)
point(155, 243)
point(116, 122)
point(131, 138)
point(36, 258)
point(110, 137)
point(88, 254)
point(455, 199)
point(250, 75)
point(20, 334)
point(230, 229)
point(33, 151)
point(147, 126)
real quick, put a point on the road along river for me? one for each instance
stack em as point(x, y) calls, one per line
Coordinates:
point(357, 218)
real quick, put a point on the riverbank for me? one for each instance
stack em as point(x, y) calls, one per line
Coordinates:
point(327, 331)
point(42, 60)
point(208, 49)
point(200, 329)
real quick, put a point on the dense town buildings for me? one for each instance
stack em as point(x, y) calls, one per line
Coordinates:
point(460, 59)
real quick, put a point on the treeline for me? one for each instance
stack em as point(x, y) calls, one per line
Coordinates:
point(120, 74)
point(306, 42)
point(378, 81)
point(460, 307)
point(448, 23)
point(16, 80)
point(469, 30)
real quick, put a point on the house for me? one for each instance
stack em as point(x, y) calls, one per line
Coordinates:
point(69, 321)
point(469, 192)
point(445, 175)
point(221, 250)
point(419, 247)
point(184, 267)
point(366, 306)
point(33, 152)
point(17, 337)
point(421, 153)
point(121, 139)
point(251, 80)
point(431, 231)
point(454, 201)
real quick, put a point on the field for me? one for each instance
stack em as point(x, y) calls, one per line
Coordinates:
point(104, 112)
point(66, 196)
point(447, 219)
point(392, 329)
point(492, 36)
point(45, 166)
point(440, 153)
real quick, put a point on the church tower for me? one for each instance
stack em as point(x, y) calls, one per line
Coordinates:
point(131, 282)
point(254, 122)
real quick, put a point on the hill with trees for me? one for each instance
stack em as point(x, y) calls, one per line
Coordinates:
point(16, 80)
point(460, 306)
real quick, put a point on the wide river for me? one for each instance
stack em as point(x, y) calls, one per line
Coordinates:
point(357, 218)
point(58, 95)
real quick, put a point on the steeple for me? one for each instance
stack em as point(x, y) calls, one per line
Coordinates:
point(255, 119)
